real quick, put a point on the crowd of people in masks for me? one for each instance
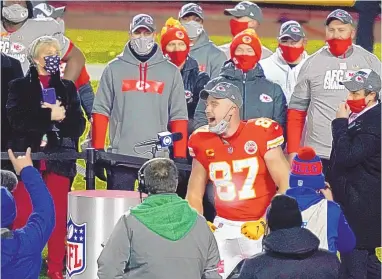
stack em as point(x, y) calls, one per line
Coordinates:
point(301, 132)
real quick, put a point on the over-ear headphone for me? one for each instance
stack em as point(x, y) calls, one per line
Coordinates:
point(142, 187)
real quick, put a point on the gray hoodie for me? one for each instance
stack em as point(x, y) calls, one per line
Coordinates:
point(162, 238)
point(140, 99)
point(209, 57)
point(262, 98)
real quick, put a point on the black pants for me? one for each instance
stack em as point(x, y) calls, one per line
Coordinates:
point(121, 178)
point(325, 165)
point(360, 264)
point(367, 11)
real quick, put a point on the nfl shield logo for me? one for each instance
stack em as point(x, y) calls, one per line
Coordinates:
point(76, 248)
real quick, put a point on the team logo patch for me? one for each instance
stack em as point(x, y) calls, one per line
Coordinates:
point(359, 79)
point(179, 35)
point(265, 98)
point(76, 248)
point(240, 7)
point(247, 39)
point(250, 147)
point(188, 95)
point(294, 29)
point(220, 88)
point(197, 9)
point(17, 48)
point(148, 20)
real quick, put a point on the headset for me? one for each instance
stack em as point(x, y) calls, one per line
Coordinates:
point(142, 187)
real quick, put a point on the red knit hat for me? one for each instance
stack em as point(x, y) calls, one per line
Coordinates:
point(247, 37)
point(173, 30)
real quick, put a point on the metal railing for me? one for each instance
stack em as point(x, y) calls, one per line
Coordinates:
point(92, 157)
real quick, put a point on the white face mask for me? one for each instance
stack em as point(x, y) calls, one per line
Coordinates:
point(142, 45)
point(15, 13)
point(193, 28)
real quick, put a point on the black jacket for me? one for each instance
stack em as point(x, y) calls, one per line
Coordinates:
point(193, 81)
point(30, 122)
point(291, 254)
point(355, 174)
point(10, 70)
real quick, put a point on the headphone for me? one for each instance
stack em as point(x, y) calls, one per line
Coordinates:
point(142, 187)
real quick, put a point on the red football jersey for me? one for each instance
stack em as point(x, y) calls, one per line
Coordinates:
point(236, 166)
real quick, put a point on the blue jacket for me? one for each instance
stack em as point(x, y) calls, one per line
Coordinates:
point(21, 249)
point(325, 219)
point(261, 97)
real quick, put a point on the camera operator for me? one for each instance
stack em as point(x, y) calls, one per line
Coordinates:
point(21, 249)
point(161, 238)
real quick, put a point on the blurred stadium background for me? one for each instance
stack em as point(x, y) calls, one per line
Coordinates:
point(99, 29)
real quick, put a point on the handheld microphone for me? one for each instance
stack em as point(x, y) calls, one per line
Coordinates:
point(164, 140)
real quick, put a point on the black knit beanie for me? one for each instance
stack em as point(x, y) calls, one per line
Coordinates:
point(283, 213)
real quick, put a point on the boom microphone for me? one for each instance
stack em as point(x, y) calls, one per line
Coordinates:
point(165, 139)
point(8, 180)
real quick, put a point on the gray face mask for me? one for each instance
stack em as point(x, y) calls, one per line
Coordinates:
point(222, 126)
point(193, 28)
point(15, 13)
point(142, 45)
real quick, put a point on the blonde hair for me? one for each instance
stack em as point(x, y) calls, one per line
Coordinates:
point(36, 45)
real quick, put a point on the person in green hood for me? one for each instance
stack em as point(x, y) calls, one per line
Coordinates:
point(163, 237)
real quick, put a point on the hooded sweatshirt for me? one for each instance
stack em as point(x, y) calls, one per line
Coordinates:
point(209, 57)
point(325, 219)
point(290, 254)
point(140, 100)
point(161, 238)
point(261, 97)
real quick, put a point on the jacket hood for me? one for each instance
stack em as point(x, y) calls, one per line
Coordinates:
point(166, 215)
point(202, 41)
point(229, 71)
point(305, 197)
point(128, 57)
point(190, 64)
point(297, 242)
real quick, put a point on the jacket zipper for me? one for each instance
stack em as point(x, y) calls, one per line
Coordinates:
point(244, 93)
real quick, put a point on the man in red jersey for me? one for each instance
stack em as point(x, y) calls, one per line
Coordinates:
point(245, 162)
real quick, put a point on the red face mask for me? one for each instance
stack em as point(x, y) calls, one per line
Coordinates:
point(237, 26)
point(291, 54)
point(338, 47)
point(357, 106)
point(178, 57)
point(245, 62)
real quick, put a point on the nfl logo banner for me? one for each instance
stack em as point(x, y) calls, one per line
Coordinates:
point(76, 248)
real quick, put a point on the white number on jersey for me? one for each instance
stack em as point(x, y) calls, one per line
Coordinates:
point(226, 187)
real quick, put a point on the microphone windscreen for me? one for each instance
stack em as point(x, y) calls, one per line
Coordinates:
point(8, 180)
point(177, 136)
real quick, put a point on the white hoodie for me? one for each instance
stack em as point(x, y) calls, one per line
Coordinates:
point(276, 69)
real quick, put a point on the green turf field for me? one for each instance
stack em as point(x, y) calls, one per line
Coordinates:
point(102, 46)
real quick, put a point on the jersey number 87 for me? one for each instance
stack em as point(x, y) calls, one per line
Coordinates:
point(226, 189)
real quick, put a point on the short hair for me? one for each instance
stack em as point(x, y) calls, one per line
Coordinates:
point(367, 92)
point(36, 45)
point(8, 180)
point(161, 176)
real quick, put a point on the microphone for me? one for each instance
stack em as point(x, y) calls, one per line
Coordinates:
point(164, 140)
point(8, 180)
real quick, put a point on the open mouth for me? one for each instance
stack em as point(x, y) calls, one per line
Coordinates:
point(211, 119)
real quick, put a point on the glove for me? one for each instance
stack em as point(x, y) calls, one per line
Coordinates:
point(99, 169)
point(254, 230)
point(212, 226)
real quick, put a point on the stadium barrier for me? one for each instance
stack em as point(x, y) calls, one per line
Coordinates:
point(92, 214)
